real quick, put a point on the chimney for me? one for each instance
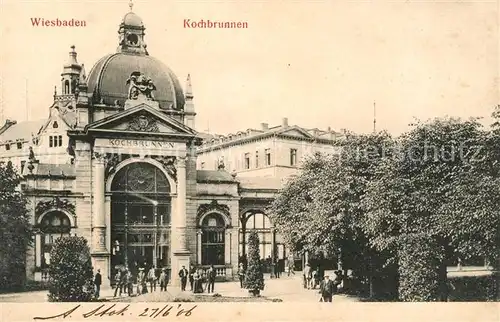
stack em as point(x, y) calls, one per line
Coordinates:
point(264, 126)
point(329, 129)
point(285, 122)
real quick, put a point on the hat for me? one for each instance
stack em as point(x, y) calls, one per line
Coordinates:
point(141, 269)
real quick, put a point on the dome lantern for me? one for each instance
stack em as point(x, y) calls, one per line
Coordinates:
point(131, 34)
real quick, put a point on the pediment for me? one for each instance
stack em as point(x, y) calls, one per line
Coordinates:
point(297, 132)
point(140, 119)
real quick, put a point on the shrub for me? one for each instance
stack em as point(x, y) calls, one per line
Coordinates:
point(70, 271)
point(474, 288)
point(254, 276)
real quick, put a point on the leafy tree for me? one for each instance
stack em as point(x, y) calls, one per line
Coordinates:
point(319, 210)
point(254, 276)
point(438, 190)
point(15, 229)
point(70, 271)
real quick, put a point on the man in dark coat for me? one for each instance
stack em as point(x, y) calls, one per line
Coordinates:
point(327, 289)
point(97, 283)
point(211, 279)
point(183, 274)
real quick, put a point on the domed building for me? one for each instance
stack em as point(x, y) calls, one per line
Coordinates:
point(118, 162)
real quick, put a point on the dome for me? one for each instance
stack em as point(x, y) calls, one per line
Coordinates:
point(108, 79)
point(132, 20)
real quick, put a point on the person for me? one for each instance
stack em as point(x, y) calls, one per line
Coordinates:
point(152, 279)
point(291, 267)
point(326, 289)
point(118, 282)
point(198, 288)
point(307, 276)
point(97, 283)
point(163, 280)
point(183, 274)
point(277, 268)
point(141, 282)
point(241, 274)
point(211, 279)
point(129, 282)
point(191, 280)
point(314, 279)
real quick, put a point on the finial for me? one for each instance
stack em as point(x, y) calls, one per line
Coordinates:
point(55, 90)
point(73, 48)
point(131, 5)
point(189, 87)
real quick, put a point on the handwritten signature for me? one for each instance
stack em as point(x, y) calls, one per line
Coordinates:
point(112, 310)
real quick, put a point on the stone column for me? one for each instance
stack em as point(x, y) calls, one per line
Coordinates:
point(227, 247)
point(199, 234)
point(180, 253)
point(98, 210)
point(100, 254)
point(38, 248)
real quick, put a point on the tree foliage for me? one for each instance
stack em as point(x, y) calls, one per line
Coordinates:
point(254, 276)
point(70, 271)
point(15, 229)
point(439, 186)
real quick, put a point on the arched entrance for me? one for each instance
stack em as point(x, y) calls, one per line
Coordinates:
point(271, 247)
point(140, 217)
point(213, 240)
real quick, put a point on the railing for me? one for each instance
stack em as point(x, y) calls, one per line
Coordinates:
point(222, 271)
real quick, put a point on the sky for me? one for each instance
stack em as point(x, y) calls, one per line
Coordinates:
point(318, 63)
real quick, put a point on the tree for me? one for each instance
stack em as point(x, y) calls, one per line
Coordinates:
point(70, 271)
point(15, 229)
point(254, 276)
point(437, 195)
point(319, 210)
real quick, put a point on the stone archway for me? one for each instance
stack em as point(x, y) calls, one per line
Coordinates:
point(141, 210)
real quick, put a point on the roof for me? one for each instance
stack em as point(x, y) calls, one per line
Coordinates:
point(48, 169)
point(217, 176)
point(107, 80)
point(22, 131)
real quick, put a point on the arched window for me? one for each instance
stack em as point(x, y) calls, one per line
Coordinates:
point(213, 240)
point(54, 225)
point(66, 87)
point(140, 216)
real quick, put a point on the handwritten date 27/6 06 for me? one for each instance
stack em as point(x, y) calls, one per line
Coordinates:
point(111, 310)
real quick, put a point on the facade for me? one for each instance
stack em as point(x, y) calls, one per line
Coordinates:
point(118, 162)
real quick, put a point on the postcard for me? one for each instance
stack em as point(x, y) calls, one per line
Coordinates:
point(249, 160)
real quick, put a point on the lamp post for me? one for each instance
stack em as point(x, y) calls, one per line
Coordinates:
point(155, 241)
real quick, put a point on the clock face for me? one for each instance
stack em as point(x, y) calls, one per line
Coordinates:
point(132, 39)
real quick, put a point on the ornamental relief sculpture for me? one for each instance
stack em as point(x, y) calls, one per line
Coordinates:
point(143, 123)
point(168, 163)
point(213, 206)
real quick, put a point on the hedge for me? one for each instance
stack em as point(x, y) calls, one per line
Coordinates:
point(474, 288)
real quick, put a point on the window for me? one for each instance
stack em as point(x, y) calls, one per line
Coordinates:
point(55, 141)
point(23, 163)
point(53, 226)
point(256, 159)
point(247, 160)
point(19, 145)
point(203, 165)
point(213, 240)
point(268, 156)
point(293, 157)
point(7, 147)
